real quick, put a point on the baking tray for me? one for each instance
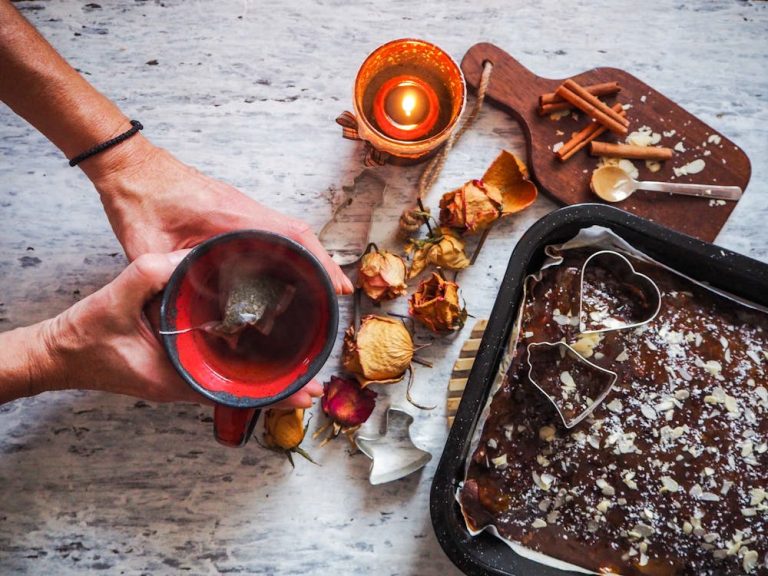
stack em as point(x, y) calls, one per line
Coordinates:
point(721, 268)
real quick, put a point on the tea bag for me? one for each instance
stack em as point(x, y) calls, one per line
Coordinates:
point(248, 298)
point(253, 301)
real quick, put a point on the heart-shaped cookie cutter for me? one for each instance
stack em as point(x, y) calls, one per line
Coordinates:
point(626, 272)
point(568, 421)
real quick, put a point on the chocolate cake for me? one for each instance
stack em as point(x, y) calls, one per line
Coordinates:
point(669, 475)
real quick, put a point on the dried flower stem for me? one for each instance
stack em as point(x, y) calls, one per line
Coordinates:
point(483, 238)
point(408, 393)
point(424, 212)
point(356, 309)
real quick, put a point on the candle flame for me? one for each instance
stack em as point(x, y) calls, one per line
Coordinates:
point(409, 103)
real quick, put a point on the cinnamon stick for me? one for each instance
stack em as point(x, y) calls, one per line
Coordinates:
point(629, 151)
point(585, 136)
point(552, 102)
point(593, 107)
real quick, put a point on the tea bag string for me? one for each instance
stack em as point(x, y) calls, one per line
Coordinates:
point(432, 171)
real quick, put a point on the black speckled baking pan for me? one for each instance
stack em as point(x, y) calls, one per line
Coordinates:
point(737, 274)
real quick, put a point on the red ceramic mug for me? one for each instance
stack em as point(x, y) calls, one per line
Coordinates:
point(272, 367)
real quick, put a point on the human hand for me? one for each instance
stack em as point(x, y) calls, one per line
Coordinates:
point(105, 341)
point(156, 203)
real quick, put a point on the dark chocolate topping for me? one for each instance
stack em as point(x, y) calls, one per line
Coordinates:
point(669, 475)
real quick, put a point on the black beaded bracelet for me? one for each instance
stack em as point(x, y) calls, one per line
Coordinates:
point(135, 127)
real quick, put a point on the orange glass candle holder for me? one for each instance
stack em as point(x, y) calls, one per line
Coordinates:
point(408, 96)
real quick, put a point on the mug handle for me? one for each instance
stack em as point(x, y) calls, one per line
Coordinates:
point(234, 426)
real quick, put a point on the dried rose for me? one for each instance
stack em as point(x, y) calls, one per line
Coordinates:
point(284, 431)
point(504, 190)
point(509, 175)
point(283, 428)
point(470, 208)
point(380, 352)
point(445, 249)
point(382, 275)
point(347, 404)
point(436, 304)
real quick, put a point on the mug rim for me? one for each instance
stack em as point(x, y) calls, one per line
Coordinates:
point(170, 293)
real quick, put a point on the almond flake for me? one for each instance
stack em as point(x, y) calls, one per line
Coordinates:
point(615, 406)
point(544, 481)
point(547, 433)
point(643, 530)
point(648, 412)
point(606, 488)
point(603, 506)
point(539, 523)
point(695, 491)
point(749, 562)
point(669, 484)
point(567, 380)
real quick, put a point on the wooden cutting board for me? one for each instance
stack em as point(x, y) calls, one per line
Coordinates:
point(517, 89)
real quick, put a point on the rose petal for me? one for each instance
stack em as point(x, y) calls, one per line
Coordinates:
point(509, 175)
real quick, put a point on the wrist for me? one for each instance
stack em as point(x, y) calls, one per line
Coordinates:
point(28, 363)
point(123, 160)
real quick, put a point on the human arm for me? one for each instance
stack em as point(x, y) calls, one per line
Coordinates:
point(154, 202)
point(105, 342)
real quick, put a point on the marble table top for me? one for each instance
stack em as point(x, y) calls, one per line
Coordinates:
point(248, 92)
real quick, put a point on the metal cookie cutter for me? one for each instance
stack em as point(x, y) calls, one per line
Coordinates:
point(621, 268)
point(393, 454)
point(573, 384)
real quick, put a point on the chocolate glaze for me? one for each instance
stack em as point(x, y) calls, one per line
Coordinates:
point(666, 477)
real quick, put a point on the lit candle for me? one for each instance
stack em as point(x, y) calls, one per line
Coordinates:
point(406, 108)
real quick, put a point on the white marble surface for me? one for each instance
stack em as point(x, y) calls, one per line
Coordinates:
point(247, 91)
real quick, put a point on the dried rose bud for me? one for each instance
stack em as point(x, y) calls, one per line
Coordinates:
point(283, 428)
point(284, 431)
point(348, 405)
point(382, 275)
point(471, 208)
point(445, 249)
point(346, 402)
point(436, 304)
point(380, 352)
